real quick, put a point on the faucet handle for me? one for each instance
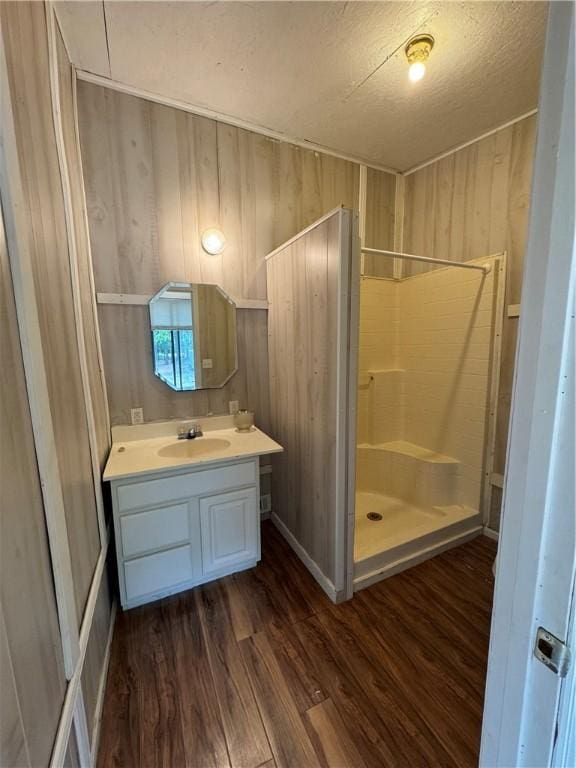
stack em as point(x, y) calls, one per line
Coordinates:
point(189, 429)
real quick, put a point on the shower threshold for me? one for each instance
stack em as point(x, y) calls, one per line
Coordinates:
point(405, 535)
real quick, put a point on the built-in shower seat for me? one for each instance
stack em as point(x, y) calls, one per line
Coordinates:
point(408, 471)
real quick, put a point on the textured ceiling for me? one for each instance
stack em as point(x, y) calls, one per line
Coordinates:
point(333, 73)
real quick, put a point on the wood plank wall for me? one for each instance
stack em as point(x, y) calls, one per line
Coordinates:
point(96, 653)
point(33, 679)
point(156, 177)
point(31, 662)
point(98, 637)
point(473, 203)
point(24, 30)
point(380, 217)
point(304, 316)
point(89, 320)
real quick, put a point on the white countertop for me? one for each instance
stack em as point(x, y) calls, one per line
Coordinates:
point(139, 449)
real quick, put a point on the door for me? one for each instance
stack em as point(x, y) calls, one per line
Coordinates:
point(526, 715)
point(229, 530)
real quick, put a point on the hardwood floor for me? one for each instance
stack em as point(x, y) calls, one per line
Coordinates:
point(260, 670)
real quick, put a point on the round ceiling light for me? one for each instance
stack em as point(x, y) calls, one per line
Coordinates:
point(213, 241)
point(417, 52)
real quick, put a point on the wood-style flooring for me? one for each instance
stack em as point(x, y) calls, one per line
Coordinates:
point(260, 669)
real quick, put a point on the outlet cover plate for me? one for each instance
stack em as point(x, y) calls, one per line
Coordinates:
point(137, 415)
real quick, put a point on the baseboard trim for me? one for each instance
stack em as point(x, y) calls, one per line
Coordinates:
point(305, 558)
point(403, 563)
point(95, 740)
point(491, 533)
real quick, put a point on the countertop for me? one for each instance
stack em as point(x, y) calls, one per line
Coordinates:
point(137, 450)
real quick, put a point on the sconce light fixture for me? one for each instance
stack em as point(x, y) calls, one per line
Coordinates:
point(213, 241)
point(417, 52)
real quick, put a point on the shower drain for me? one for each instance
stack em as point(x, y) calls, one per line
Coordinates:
point(375, 516)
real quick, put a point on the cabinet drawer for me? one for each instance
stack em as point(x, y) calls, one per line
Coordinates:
point(176, 487)
point(154, 529)
point(157, 572)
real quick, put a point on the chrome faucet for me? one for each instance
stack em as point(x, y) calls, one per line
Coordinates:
point(189, 432)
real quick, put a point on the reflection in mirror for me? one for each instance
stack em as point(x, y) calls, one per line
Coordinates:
point(193, 336)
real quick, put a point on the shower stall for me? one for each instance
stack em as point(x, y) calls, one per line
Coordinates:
point(383, 392)
point(427, 391)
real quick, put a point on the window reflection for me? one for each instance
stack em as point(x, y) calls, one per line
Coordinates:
point(174, 357)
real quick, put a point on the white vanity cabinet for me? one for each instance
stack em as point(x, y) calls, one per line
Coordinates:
point(181, 527)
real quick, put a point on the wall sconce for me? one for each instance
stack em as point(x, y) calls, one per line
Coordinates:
point(417, 52)
point(213, 241)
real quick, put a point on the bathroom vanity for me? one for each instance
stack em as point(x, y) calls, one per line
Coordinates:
point(185, 511)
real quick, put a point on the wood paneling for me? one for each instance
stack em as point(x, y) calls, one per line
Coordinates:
point(470, 204)
point(24, 30)
point(326, 685)
point(126, 345)
point(68, 121)
point(13, 747)
point(307, 383)
point(380, 209)
point(96, 652)
point(31, 667)
point(156, 177)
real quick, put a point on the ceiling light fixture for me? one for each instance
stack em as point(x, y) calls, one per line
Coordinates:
point(417, 52)
point(213, 241)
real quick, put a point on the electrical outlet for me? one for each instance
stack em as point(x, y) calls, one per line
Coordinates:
point(207, 362)
point(137, 415)
point(265, 504)
point(233, 406)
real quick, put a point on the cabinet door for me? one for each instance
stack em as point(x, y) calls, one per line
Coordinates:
point(229, 530)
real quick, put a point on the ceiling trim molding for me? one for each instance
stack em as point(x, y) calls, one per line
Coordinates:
point(468, 143)
point(221, 117)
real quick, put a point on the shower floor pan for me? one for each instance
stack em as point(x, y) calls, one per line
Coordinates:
point(406, 534)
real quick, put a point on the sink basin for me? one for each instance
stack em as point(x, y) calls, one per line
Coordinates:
point(194, 449)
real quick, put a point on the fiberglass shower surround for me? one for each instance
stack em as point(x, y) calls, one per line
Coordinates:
point(427, 356)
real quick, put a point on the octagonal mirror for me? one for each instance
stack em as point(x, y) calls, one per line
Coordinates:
point(193, 336)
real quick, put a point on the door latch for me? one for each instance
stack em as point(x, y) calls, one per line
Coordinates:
point(552, 652)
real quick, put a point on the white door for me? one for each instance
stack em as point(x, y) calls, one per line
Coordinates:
point(229, 530)
point(527, 708)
